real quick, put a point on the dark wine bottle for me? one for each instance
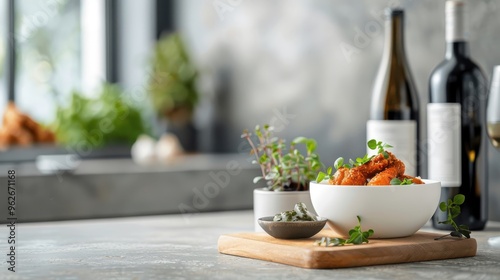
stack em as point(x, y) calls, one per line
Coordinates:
point(456, 115)
point(394, 113)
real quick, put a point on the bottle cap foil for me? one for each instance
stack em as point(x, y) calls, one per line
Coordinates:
point(454, 17)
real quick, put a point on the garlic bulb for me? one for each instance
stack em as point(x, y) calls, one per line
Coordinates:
point(143, 151)
point(168, 147)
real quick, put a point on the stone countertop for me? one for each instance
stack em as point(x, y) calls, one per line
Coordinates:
point(185, 247)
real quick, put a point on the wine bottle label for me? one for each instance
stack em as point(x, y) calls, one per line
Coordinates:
point(444, 142)
point(401, 134)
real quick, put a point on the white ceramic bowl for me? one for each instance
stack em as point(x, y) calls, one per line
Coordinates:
point(391, 211)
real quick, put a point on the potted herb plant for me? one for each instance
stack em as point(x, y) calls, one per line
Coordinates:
point(286, 172)
point(172, 88)
point(89, 124)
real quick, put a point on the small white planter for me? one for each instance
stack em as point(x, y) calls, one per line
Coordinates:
point(270, 203)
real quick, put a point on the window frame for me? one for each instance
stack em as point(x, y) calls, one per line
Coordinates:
point(164, 22)
point(10, 68)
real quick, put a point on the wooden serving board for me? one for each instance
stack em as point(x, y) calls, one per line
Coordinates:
point(304, 253)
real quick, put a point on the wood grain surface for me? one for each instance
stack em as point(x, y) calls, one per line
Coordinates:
point(304, 253)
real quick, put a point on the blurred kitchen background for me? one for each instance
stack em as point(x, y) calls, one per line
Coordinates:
point(306, 67)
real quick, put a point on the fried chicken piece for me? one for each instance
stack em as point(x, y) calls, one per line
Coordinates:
point(339, 176)
point(354, 177)
point(377, 172)
point(359, 175)
point(12, 116)
point(20, 129)
point(395, 170)
point(376, 165)
point(45, 136)
point(21, 137)
point(346, 176)
point(6, 138)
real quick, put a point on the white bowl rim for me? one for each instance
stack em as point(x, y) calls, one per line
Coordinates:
point(426, 181)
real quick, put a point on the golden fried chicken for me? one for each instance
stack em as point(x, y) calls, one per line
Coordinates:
point(378, 171)
point(376, 165)
point(339, 176)
point(395, 170)
point(346, 176)
point(359, 175)
point(20, 129)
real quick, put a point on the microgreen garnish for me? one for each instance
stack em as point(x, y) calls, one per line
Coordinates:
point(374, 144)
point(356, 237)
point(322, 176)
point(397, 181)
point(360, 161)
point(452, 207)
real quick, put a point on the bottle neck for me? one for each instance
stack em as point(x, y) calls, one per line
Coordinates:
point(394, 36)
point(456, 42)
point(457, 49)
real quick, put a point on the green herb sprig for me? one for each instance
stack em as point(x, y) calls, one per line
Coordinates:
point(397, 181)
point(339, 162)
point(322, 176)
point(452, 207)
point(380, 146)
point(356, 237)
point(372, 145)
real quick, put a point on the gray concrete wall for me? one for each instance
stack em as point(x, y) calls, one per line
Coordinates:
point(308, 66)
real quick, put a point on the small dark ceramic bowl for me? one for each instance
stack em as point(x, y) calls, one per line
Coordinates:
point(291, 230)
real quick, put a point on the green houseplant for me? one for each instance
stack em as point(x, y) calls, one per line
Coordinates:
point(172, 85)
point(172, 88)
point(287, 172)
point(90, 123)
point(283, 170)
